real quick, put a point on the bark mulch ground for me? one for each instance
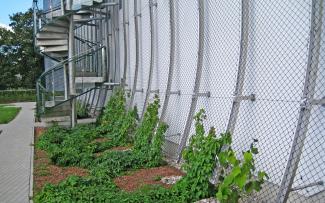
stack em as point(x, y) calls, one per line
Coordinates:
point(150, 176)
point(45, 172)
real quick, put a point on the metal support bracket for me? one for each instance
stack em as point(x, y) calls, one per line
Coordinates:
point(140, 90)
point(154, 91)
point(319, 183)
point(178, 92)
point(251, 97)
point(318, 102)
point(202, 94)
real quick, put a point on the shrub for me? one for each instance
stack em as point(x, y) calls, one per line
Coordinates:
point(11, 96)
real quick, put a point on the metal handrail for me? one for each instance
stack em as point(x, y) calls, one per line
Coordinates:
point(42, 91)
point(72, 59)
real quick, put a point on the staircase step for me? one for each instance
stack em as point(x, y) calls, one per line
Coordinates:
point(58, 55)
point(90, 79)
point(55, 119)
point(51, 42)
point(55, 29)
point(86, 74)
point(58, 48)
point(50, 104)
point(79, 4)
point(60, 23)
point(55, 113)
point(51, 35)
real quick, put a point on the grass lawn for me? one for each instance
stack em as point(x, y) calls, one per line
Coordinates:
point(8, 113)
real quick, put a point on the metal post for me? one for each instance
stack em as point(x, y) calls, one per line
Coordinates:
point(66, 82)
point(241, 66)
point(107, 66)
point(171, 58)
point(97, 101)
point(125, 31)
point(152, 56)
point(35, 20)
point(117, 43)
point(114, 46)
point(308, 96)
point(37, 100)
point(62, 7)
point(137, 50)
point(53, 88)
point(72, 70)
point(103, 57)
point(197, 82)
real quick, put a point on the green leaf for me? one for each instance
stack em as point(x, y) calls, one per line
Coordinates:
point(241, 180)
point(248, 157)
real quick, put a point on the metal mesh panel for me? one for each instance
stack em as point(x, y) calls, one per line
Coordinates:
point(222, 23)
point(263, 78)
point(183, 81)
point(276, 62)
point(308, 183)
point(161, 71)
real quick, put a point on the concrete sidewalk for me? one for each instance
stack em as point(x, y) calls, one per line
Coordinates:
point(15, 156)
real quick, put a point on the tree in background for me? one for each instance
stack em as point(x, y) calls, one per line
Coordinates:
point(20, 65)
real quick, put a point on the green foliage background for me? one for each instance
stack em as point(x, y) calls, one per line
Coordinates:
point(20, 65)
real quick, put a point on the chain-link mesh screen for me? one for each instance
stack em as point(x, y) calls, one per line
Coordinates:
point(257, 59)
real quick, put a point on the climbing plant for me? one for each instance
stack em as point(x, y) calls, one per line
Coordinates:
point(206, 152)
point(118, 122)
point(149, 135)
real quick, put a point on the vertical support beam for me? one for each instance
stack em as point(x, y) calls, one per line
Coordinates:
point(241, 66)
point(35, 21)
point(125, 33)
point(171, 58)
point(137, 50)
point(94, 90)
point(152, 56)
point(38, 101)
point(53, 87)
point(197, 81)
point(305, 108)
point(97, 101)
point(103, 57)
point(66, 82)
point(72, 70)
point(114, 49)
point(116, 18)
point(62, 7)
point(107, 57)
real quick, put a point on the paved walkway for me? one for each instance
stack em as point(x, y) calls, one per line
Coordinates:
point(15, 156)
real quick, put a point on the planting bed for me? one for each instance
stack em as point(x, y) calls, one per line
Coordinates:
point(45, 172)
point(120, 160)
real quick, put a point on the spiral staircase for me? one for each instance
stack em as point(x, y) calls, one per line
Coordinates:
point(57, 96)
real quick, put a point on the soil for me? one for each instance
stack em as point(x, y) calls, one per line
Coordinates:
point(38, 131)
point(45, 172)
point(150, 176)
